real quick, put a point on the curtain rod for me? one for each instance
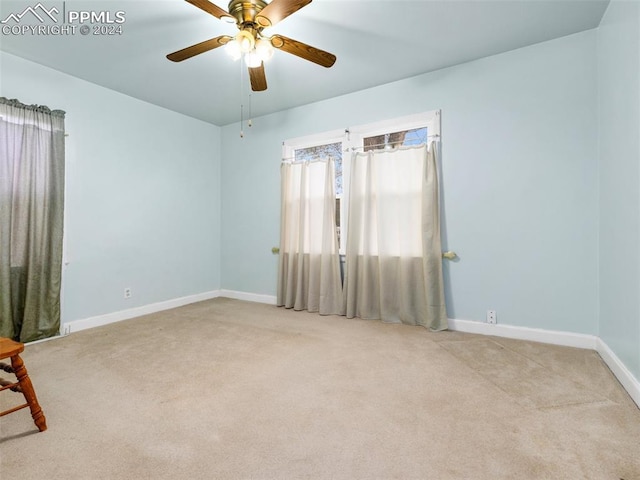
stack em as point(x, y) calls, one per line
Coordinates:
point(315, 160)
point(389, 144)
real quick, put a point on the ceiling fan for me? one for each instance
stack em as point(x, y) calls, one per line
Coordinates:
point(252, 17)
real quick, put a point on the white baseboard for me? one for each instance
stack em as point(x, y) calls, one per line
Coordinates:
point(249, 297)
point(99, 320)
point(622, 373)
point(567, 339)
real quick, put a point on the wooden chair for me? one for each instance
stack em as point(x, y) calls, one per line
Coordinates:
point(12, 350)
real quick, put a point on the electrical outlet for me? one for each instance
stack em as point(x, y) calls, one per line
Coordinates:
point(127, 292)
point(491, 317)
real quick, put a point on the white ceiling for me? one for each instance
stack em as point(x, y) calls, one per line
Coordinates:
point(376, 42)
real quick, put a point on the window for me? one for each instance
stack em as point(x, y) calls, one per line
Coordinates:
point(332, 151)
point(338, 145)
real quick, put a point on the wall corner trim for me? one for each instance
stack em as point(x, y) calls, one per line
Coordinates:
point(566, 339)
point(622, 373)
point(249, 297)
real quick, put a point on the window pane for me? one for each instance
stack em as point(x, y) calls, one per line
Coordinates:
point(332, 150)
point(415, 136)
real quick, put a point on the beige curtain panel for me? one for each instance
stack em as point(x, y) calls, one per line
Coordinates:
point(31, 219)
point(309, 264)
point(393, 251)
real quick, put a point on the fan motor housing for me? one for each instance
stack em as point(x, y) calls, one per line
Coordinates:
point(245, 11)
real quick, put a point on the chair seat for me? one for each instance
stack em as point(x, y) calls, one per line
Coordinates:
point(9, 348)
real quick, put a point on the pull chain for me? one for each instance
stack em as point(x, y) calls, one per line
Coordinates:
point(241, 98)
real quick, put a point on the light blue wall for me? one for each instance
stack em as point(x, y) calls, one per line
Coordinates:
point(619, 173)
point(143, 200)
point(519, 181)
point(541, 201)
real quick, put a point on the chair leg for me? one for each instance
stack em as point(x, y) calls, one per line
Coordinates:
point(28, 392)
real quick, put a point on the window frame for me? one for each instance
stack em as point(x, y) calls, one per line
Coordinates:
point(352, 139)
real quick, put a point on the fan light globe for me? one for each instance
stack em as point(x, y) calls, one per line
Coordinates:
point(264, 49)
point(245, 40)
point(252, 59)
point(233, 49)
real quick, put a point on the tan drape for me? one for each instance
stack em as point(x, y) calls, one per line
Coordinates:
point(309, 264)
point(31, 219)
point(393, 252)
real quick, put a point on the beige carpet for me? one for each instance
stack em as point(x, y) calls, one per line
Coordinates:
point(225, 389)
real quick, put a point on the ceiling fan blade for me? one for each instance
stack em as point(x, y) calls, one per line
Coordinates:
point(198, 48)
point(279, 10)
point(302, 50)
point(211, 8)
point(258, 78)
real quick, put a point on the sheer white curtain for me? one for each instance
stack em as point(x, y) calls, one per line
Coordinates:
point(309, 265)
point(393, 252)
